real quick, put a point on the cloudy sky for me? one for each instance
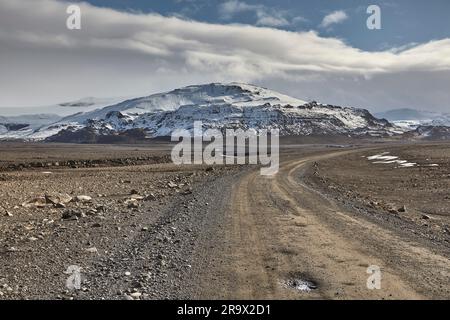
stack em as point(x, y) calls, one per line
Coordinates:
point(314, 50)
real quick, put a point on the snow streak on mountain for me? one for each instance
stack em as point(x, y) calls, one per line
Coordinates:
point(217, 105)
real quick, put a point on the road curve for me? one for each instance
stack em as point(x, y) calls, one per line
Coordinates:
point(281, 230)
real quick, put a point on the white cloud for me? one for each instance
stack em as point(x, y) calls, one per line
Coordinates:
point(229, 8)
point(271, 20)
point(264, 15)
point(122, 54)
point(298, 19)
point(334, 18)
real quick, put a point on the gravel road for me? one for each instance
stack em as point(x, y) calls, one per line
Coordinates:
point(136, 231)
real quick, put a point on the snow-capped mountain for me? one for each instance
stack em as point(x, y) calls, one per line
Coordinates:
point(22, 126)
point(411, 119)
point(24, 122)
point(429, 133)
point(217, 105)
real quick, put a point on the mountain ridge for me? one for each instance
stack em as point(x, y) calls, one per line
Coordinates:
point(219, 105)
point(413, 118)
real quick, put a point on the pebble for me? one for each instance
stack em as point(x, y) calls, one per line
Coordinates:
point(83, 198)
point(92, 250)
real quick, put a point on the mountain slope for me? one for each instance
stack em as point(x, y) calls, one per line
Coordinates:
point(63, 109)
point(24, 122)
point(220, 106)
point(22, 126)
point(412, 118)
point(429, 133)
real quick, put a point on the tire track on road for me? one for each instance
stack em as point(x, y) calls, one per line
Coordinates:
point(282, 229)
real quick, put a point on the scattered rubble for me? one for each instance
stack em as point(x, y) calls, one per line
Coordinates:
point(58, 219)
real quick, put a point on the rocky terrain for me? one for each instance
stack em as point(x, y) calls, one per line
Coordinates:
point(147, 229)
point(409, 188)
point(133, 229)
point(21, 156)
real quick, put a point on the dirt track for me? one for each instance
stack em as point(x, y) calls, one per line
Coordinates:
point(281, 230)
point(202, 232)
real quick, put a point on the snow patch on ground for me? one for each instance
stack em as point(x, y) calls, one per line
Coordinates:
point(385, 158)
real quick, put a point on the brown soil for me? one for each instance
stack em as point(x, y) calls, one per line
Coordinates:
point(418, 196)
point(309, 232)
point(282, 231)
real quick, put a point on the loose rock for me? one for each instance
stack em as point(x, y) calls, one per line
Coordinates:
point(58, 199)
point(38, 202)
point(72, 214)
point(83, 198)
